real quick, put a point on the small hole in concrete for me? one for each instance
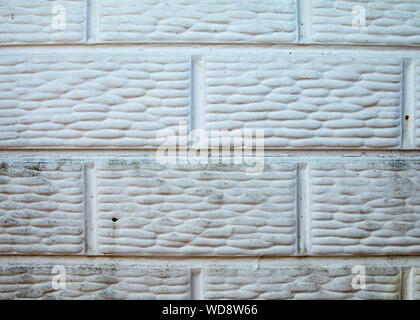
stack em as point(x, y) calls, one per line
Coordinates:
point(114, 219)
point(407, 117)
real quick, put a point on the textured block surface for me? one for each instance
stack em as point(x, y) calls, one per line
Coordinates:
point(91, 100)
point(40, 21)
point(365, 207)
point(41, 207)
point(393, 22)
point(94, 94)
point(307, 101)
point(89, 281)
point(145, 208)
point(300, 282)
point(206, 21)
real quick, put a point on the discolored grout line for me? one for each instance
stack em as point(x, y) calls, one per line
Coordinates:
point(91, 21)
point(200, 261)
point(267, 151)
point(408, 105)
point(196, 120)
point(304, 20)
point(90, 207)
point(197, 287)
point(407, 283)
point(303, 214)
point(197, 46)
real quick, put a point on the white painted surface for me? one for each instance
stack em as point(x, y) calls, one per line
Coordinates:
point(20, 281)
point(190, 209)
point(90, 100)
point(300, 282)
point(340, 108)
point(365, 207)
point(322, 101)
point(31, 22)
point(207, 21)
point(41, 207)
point(387, 22)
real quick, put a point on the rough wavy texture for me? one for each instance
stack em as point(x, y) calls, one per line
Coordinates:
point(150, 209)
point(332, 101)
point(207, 21)
point(394, 22)
point(91, 281)
point(88, 100)
point(366, 207)
point(301, 282)
point(33, 22)
point(41, 207)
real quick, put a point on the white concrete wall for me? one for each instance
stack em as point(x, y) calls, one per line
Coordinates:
point(82, 104)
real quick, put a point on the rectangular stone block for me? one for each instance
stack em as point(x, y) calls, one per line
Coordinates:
point(387, 22)
point(206, 21)
point(42, 21)
point(41, 207)
point(145, 208)
point(369, 207)
point(301, 282)
point(330, 101)
point(91, 100)
point(92, 281)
